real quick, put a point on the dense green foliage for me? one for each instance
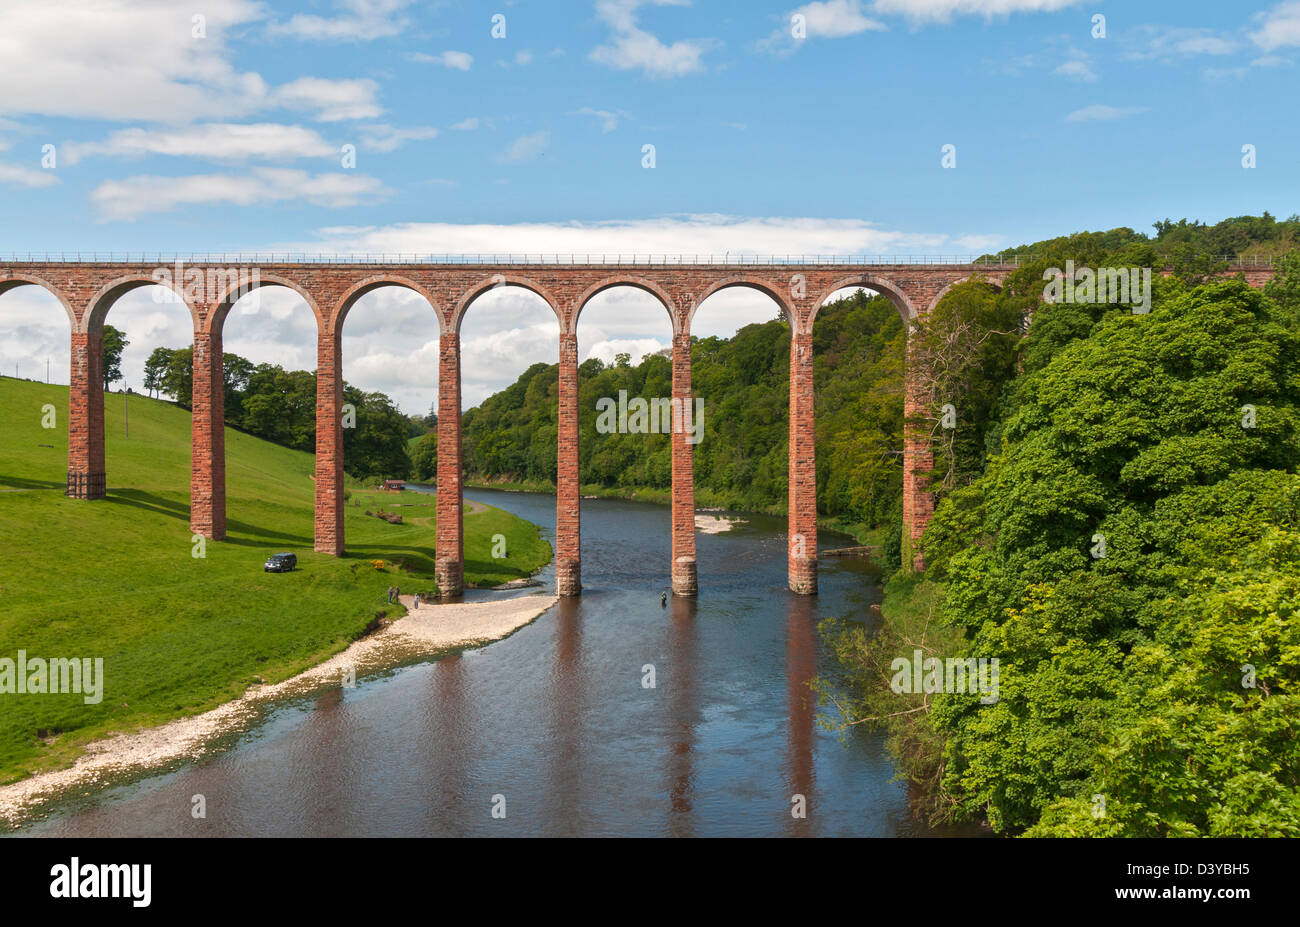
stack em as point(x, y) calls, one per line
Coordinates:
point(1147, 686)
point(1129, 552)
point(114, 344)
point(1188, 247)
point(1121, 674)
point(742, 461)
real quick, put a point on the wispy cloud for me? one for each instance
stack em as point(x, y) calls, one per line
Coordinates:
point(332, 100)
point(456, 60)
point(1278, 27)
point(14, 175)
point(526, 148)
point(1099, 112)
point(213, 141)
point(632, 48)
point(1078, 69)
point(387, 138)
point(362, 21)
point(1172, 43)
point(136, 196)
point(945, 10)
point(609, 119)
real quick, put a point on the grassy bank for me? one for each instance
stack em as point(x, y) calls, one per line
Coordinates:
point(119, 579)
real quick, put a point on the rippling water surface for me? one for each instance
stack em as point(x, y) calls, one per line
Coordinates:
point(555, 718)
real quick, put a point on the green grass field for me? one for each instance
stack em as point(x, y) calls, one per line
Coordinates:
point(180, 634)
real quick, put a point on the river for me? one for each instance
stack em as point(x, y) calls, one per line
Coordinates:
point(553, 727)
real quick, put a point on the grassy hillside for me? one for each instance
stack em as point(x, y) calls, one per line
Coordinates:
point(179, 634)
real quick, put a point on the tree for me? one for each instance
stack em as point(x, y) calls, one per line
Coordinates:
point(178, 377)
point(1131, 475)
point(424, 458)
point(962, 353)
point(376, 447)
point(114, 343)
point(155, 367)
point(236, 371)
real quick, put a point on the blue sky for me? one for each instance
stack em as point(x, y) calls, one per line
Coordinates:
point(232, 138)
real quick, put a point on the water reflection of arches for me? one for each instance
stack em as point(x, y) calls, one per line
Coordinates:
point(566, 755)
point(683, 716)
point(445, 746)
point(801, 706)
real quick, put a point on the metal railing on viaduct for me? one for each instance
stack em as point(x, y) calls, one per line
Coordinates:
point(88, 285)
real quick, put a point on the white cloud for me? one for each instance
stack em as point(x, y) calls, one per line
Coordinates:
point(944, 10)
point(364, 20)
point(526, 148)
point(1077, 69)
point(608, 118)
point(17, 176)
point(333, 100)
point(834, 19)
point(1279, 27)
point(137, 196)
point(688, 235)
point(388, 138)
point(142, 62)
point(457, 60)
point(633, 49)
point(824, 19)
point(33, 331)
point(467, 125)
point(1099, 112)
point(523, 58)
point(1168, 43)
point(213, 141)
point(135, 61)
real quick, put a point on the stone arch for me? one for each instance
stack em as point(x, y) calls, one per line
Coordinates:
point(639, 283)
point(217, 320)
point(13, 281)
point(886, 288)
point(996, 284)
point(495, 282)
point(97, 309)
point(369, 285)
point(753, 283)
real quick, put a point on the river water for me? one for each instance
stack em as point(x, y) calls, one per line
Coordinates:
point(553, 725)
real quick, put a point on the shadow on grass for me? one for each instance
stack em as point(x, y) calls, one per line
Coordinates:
point(18, 482)
point(150, 502)
point(260, 537)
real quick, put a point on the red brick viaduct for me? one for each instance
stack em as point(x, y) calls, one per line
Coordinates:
point(88, 289)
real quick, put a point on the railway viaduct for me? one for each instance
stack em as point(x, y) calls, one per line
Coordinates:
point(89, 288)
